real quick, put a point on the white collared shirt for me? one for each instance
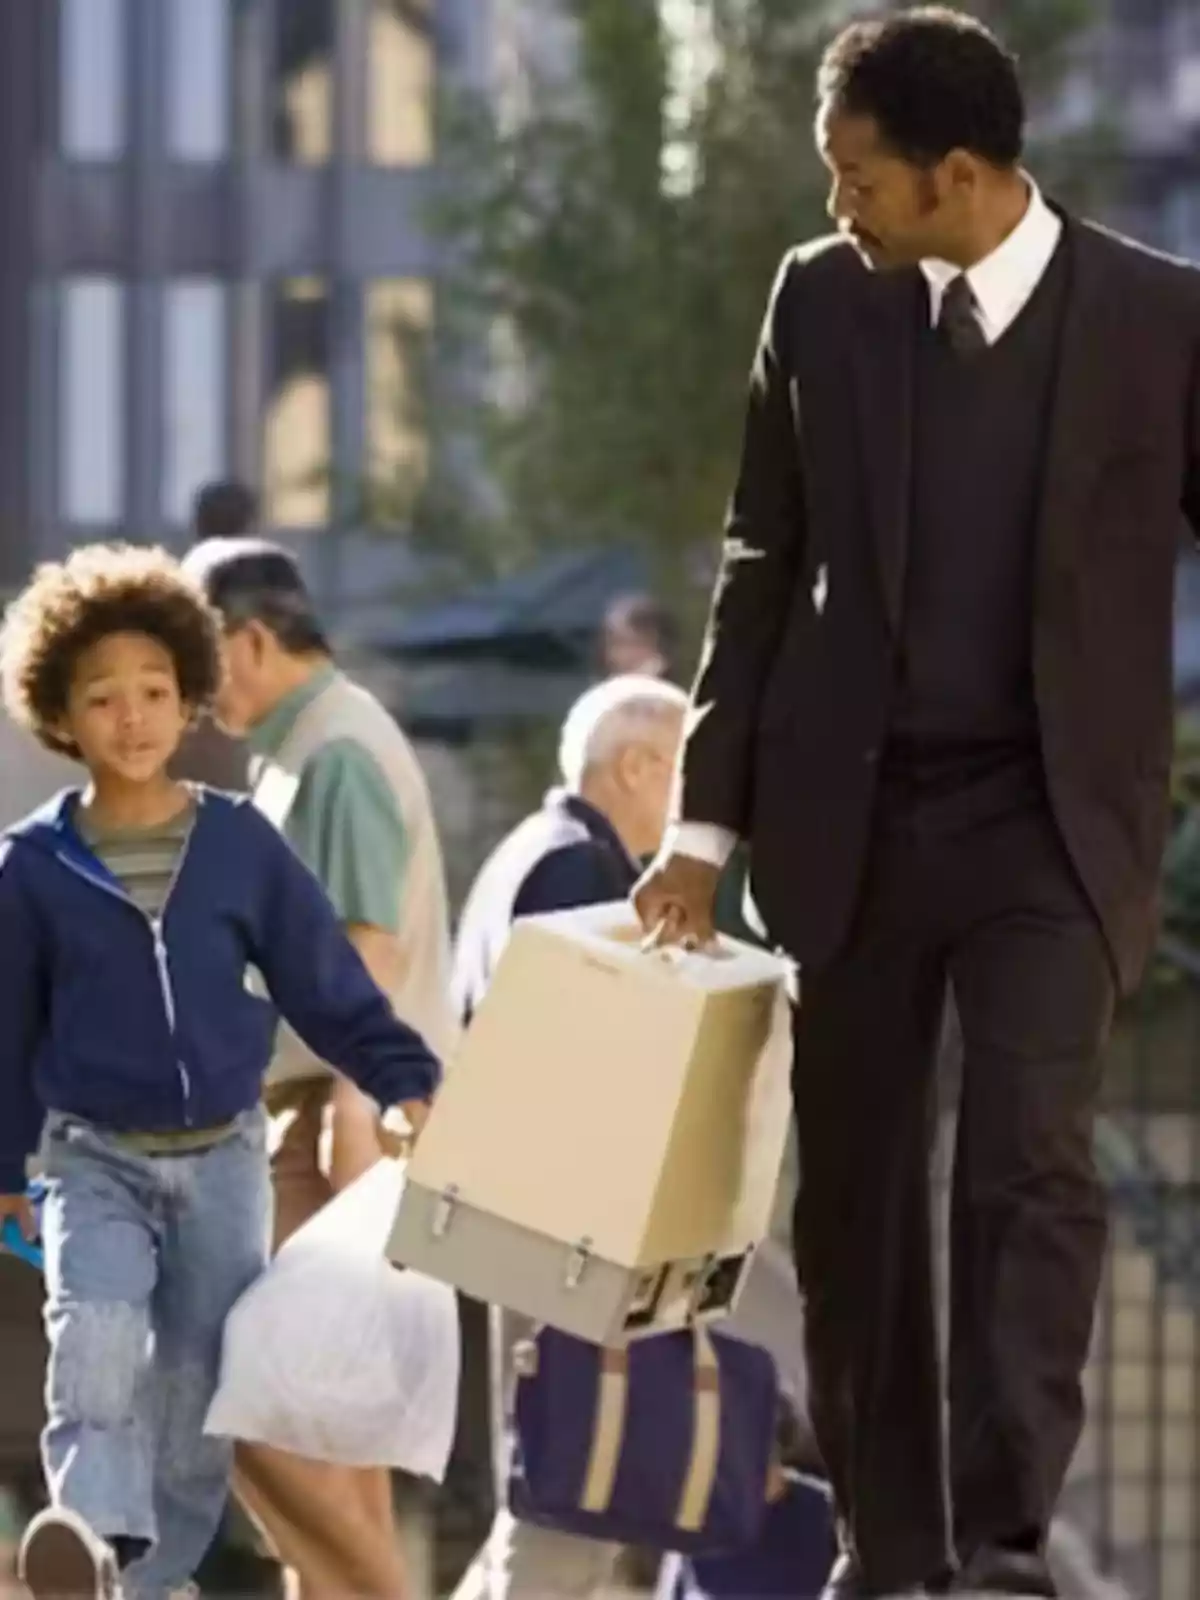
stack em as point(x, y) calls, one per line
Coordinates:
point(1002, 284)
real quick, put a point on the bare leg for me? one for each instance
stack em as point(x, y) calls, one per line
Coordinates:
point(374, 1486)
point(309, 1574)
point(333, 1524)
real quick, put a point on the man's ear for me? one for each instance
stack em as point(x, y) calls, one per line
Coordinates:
point(960, 171)
point(257, 636)
point(628, 765)
point(261, 640)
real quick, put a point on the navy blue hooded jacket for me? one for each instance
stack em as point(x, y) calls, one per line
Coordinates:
point(146, 1026)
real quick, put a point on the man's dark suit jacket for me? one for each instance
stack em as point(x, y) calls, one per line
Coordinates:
point(795, 680)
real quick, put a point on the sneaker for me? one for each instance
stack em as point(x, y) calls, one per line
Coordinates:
point(62, 1559)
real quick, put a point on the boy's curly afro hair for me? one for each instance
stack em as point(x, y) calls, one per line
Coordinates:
point(97, 591)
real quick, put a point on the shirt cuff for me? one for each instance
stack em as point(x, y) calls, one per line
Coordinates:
point(703, 841)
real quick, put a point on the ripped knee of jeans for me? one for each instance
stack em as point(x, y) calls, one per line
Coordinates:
point(99, 1355)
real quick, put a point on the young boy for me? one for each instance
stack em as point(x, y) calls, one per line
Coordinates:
point(135, 915)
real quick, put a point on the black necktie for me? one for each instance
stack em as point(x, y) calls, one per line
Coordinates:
point(958, 319)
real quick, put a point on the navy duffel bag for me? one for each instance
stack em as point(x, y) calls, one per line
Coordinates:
point(792, 1558)
point(667, 1442)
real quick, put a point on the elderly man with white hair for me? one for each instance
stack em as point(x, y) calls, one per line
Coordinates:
point(616, 760)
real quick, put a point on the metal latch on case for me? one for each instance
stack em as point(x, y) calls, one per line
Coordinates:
point(525, 1358)
point(577, 1262)
point(444, 1210)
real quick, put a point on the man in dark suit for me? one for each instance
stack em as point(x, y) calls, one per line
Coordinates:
point(935, 699)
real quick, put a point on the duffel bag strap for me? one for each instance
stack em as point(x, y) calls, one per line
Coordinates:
point(706, 1438)
point(608, 1430)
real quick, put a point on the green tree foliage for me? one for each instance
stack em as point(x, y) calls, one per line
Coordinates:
point(630, 303)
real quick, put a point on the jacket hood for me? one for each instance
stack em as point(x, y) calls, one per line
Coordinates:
point(51, 828)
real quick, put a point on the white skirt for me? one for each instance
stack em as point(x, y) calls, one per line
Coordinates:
point(337, 1355)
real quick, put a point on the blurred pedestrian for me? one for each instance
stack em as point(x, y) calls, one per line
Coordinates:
point(225, 509)
point(637, 636)
point(582, 847)
point(616, 754)
point(337, 775)
point(210, 754)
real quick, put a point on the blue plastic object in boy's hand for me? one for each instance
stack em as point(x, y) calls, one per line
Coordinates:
point(14, 1243)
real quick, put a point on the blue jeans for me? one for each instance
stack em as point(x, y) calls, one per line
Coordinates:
point(145, 1257)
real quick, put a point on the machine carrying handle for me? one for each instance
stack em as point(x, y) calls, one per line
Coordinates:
point(676, 954)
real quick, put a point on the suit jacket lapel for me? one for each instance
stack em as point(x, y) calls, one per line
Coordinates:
point(884, 347)
point(1085, 407)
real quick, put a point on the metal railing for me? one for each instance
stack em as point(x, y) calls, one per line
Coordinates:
point(1135, 1489)
point(1132, 1503)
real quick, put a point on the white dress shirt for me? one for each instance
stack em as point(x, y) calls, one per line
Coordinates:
point(1002, 284)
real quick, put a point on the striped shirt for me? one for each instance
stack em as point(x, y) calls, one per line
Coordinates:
point(143, 860)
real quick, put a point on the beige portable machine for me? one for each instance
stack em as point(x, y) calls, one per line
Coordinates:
point(604, 1153)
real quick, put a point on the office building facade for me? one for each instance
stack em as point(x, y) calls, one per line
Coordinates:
point(218, 258)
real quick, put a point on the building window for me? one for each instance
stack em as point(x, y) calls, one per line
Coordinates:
point(92, 401)
point(399, 314)
point(92, 79)
point(303, 89)
point(401, 83)
point(194, 392)
point(297, 434)
point(199, 65)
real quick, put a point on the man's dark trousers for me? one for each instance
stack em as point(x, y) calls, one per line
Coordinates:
point(969, 887)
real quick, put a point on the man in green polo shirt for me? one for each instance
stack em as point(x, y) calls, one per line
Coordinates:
point(334, 772)
point(345, 820)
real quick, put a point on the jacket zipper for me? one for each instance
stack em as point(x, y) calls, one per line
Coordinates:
point(161, 963)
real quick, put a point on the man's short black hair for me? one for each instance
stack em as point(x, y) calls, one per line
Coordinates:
point(225, 510)
point(933, 80)
point(253, 580)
